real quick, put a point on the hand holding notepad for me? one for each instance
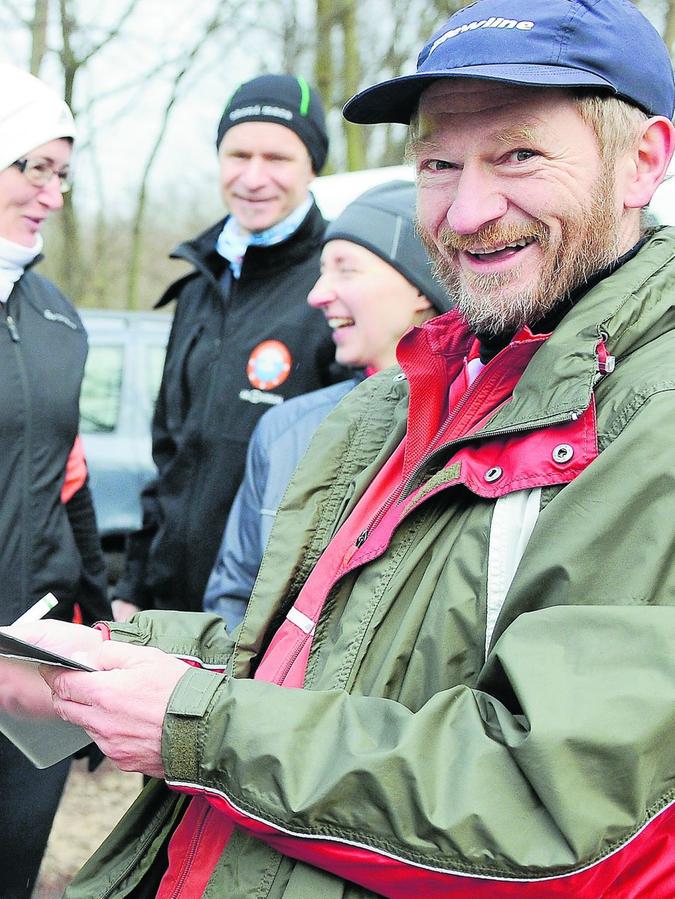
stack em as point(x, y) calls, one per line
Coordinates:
point(27, 716)
point(120, 695)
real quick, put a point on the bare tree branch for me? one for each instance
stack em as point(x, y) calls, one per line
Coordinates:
point(11, 7)
point(112, 34)
point(137, 225)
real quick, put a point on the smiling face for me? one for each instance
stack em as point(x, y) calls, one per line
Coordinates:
point(515, 202)
point(265, 171)
point(368, 304)
point(24, 207)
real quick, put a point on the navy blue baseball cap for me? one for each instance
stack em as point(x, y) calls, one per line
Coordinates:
point(606, 45)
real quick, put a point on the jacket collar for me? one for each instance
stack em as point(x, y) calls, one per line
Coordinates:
point(259, 261)
point(557, 384)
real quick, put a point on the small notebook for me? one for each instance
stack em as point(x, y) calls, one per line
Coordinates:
point(44, 741)
point(13, 648)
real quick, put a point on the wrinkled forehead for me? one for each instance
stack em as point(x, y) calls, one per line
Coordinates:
point(459, 96)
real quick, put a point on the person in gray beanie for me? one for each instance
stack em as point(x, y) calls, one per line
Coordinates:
point(243, 338)
point(48, 536)
point(376, 283)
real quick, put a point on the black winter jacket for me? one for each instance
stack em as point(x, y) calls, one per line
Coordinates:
point(236, 348)
point(44, 544)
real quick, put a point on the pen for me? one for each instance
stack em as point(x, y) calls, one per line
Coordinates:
point(39, 610)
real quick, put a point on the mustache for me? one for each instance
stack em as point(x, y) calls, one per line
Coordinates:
point(493, 235)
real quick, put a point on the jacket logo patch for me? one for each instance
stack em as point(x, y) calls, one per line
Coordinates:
point(57, 317)
point(269, 365)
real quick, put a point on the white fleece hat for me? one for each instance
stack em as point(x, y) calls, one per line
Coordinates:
point(31, 114)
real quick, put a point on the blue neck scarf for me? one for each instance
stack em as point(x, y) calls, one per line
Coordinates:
point(233, 240)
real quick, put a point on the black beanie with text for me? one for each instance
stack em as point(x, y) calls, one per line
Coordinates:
point(284, 100)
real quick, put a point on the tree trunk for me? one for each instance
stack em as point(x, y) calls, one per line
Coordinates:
point(324, 63)
point(133, 291)
point(669, 28)
point(71, 275)
point(38, 34)
point(354, 135)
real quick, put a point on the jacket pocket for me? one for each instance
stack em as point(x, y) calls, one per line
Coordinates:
point(185, 372)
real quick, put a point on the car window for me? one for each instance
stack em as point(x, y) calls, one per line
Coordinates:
point(101, 389)
point(155, 365)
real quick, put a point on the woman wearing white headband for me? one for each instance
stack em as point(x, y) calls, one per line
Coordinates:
point(48, 539)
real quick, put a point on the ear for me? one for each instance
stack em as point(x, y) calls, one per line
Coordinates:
point(422, 304)
point(649, 162)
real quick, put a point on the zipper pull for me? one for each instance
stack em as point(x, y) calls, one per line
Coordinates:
point(605, 362)
point(360, 540)
point(11, 327)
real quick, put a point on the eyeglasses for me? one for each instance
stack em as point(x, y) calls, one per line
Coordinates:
point(40, 172)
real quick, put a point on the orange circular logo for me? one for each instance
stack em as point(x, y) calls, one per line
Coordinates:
point(269, 364)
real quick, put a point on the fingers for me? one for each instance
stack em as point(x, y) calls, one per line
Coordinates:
point(121, 704)
point(123, 610)
point(58, 636)
point(112, 654)
point(23, 692)
point(125, 675)
point(130, 733)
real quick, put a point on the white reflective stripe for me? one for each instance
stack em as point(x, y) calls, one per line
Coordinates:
point(378, 850)
point(513, 521)
point(304, 622)
point(218, 668)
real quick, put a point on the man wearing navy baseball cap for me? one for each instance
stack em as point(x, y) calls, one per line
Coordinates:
point(456, 673)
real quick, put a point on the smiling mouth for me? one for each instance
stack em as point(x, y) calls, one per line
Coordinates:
point(495, 252)
point(337, 322)
point(256, 199)
point(501, 250)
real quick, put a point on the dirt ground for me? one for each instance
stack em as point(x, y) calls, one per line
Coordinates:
point(91, 805)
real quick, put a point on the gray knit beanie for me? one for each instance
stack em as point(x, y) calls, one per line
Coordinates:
point(383, 221)
point(31, 114)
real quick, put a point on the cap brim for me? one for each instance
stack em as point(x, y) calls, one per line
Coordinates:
point(396, 100)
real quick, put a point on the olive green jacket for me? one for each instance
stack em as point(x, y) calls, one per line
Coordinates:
point(491, 700)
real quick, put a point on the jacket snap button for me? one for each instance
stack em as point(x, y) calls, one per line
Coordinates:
point(563, 453)
point(399, 377)
point(493, 474)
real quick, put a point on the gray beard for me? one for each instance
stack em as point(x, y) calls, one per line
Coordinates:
point(485, 313)
point(589, 242)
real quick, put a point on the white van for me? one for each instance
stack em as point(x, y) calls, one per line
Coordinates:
point(333, 192)
point(121, 381)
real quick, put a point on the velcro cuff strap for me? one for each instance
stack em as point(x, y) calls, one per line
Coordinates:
point(194, 692)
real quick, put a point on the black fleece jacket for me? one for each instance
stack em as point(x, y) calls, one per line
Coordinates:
point(45, 545)
point(236, 348)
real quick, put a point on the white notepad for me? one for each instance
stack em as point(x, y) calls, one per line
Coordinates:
point(44, 741)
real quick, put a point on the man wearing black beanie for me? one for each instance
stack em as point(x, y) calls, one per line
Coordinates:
point(375, 283)
point(243, 338)
point(283, 100)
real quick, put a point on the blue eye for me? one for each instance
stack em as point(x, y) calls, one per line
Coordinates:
point(438, 165)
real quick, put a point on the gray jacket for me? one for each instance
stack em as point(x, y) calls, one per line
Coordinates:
point(278, 443)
